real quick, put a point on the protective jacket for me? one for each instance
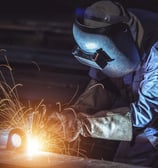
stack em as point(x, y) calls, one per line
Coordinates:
point(132, 99)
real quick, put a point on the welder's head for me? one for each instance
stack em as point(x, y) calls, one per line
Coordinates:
point(104, 39)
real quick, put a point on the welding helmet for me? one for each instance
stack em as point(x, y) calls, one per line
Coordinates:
point(104, 40)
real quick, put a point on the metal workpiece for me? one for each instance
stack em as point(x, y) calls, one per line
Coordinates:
point(46, 159)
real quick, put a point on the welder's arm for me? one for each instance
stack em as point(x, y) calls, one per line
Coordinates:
point(113, 125)
point(145, 109)
point(94, 98)
point(107, 124)
point(87, 117)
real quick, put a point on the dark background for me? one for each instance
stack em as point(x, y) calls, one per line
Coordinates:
point(37, 37)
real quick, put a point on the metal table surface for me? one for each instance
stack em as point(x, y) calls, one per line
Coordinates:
point(11, 159)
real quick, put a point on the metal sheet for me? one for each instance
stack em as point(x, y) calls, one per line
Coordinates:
point(45, 159)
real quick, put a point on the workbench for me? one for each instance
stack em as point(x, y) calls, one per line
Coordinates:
point(13, 159)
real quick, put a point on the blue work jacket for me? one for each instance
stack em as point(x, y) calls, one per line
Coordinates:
point(143, 82)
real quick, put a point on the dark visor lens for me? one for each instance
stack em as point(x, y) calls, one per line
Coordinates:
point(100, 57)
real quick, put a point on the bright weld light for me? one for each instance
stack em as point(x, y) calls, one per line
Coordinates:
point(16, 140)
point(33, 146)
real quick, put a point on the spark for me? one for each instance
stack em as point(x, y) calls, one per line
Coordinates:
point(31, 120)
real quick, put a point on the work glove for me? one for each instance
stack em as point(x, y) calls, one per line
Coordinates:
point(65, 125)
point(113, 125)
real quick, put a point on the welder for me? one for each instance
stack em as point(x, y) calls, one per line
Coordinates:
point(121, 100)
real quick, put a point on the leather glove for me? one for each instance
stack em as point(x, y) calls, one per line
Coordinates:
point(65, 125)
point(113, 125)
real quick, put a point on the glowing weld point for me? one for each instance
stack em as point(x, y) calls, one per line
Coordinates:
point(33, 146)
point(16, 140)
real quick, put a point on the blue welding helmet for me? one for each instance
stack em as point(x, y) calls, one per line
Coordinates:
point(110, 48)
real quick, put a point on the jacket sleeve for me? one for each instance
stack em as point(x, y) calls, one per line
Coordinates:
point(114, 124)
point(145, 110)
point(95, 98)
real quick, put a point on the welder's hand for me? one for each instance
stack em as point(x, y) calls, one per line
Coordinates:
point(65, 125)
point(112, 124)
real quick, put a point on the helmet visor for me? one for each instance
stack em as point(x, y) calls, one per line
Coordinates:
point(115, 41)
